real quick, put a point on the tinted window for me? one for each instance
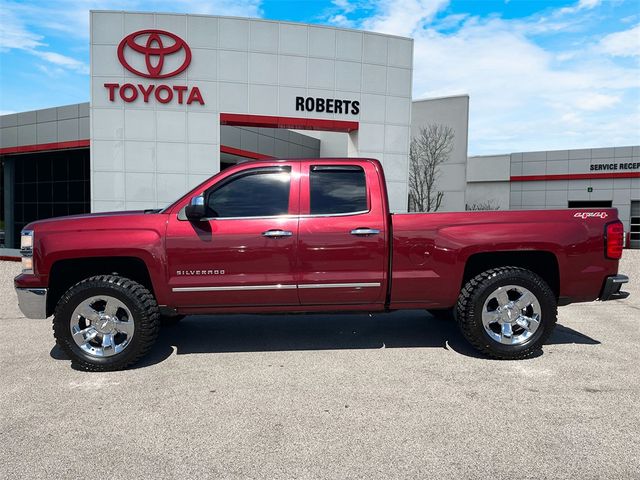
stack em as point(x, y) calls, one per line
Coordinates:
point(337, 190)
point(259, 193)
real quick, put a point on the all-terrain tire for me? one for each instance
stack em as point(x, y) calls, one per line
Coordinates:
point(137, 298)
point(472, 300)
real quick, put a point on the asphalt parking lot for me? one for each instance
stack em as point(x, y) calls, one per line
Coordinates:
point(327, 396)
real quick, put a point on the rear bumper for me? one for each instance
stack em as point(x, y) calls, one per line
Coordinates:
point(611, 288)
point(32, 302)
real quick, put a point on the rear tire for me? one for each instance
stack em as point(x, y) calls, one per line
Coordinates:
point(507, 312)
point(106, 323)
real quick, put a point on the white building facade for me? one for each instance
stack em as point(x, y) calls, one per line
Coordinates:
point(163, 85)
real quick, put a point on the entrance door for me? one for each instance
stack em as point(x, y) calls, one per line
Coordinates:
point(342, 236)
point(244, 253)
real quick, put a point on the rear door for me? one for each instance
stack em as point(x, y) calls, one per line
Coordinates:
point(244, 253)
point(342, 234)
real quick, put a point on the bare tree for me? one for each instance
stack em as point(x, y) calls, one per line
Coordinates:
point(486, 205)
point(428, 150)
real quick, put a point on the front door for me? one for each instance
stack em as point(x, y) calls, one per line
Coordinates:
point(342, 245)
point(244, 252)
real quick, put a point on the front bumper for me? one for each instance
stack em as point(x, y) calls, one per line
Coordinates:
point(32, 302)
point(611, 288)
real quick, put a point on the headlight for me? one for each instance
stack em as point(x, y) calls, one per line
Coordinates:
point(26, 249)
point(26, 239)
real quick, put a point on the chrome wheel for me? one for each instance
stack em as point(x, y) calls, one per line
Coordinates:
point(511, 315)
point(102, 326)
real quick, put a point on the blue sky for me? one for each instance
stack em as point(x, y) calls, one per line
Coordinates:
point(540, 74)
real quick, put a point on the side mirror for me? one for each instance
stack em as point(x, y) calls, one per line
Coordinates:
point(195, 211)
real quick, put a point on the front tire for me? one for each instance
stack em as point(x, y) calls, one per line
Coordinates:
point(106, 323)
point(507, 312)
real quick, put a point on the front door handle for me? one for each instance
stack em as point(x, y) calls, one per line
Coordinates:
point(365, 231)
point(277, 233)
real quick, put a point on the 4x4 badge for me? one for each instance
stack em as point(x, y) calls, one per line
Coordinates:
point(585, 215)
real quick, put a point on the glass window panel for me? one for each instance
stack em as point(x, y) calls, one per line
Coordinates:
point(260, 193)
point(337, 190)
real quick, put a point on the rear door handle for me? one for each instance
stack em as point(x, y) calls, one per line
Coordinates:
point(277, 233)
point(365, 231)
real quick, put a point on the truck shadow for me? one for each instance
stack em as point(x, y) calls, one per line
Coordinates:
point(265, 333)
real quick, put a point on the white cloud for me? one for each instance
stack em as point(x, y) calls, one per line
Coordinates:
point(402, 17)
point(581, 5)
point(588, 4)
point(62, 61)
point(341, 20)
point(344, 5)
point(597, 101)
point(622, 44)
point(522, 95)
point(519, 93)
point(571, 118)
point(13, 33)
point(51, 71)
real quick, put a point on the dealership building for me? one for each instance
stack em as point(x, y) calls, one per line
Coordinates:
point(176, 98)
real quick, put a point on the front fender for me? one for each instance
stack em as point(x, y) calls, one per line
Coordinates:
point(144, 244)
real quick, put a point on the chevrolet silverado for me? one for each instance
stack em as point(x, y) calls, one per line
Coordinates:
point(312, 235)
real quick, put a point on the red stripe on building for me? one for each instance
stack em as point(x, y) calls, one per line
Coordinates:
point(573, 176)
point(294, 123)
point(41, 147)
point(244, 153)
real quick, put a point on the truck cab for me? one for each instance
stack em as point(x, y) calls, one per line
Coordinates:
point(306, 233)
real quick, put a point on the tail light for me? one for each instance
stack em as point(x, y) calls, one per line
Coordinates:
point(614, 240)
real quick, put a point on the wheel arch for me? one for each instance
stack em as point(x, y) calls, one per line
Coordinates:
point(543, 263)
point(67, 272)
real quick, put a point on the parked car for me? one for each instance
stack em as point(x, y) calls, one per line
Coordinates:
point(310, 236)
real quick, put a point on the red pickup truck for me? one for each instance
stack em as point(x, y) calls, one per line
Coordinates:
point(308, 236)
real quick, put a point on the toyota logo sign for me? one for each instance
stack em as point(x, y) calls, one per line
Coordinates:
point(154, 51)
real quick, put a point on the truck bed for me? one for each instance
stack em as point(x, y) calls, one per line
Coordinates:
point(431, 250)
